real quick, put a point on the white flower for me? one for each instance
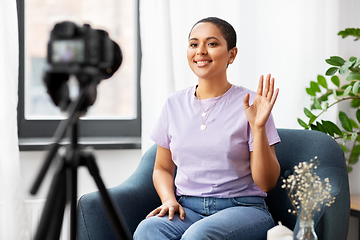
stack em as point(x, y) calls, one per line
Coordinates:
point(307, 191)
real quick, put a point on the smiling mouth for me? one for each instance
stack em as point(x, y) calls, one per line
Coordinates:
point(202, 63)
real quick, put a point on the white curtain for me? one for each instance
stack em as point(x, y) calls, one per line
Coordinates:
point(12, 209)
point(289, 39)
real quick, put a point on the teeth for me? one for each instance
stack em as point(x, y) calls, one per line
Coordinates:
point(202, 62)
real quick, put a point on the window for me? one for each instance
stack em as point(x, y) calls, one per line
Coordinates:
point(114, 120)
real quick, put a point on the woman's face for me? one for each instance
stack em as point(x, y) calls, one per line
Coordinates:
point(208, 54)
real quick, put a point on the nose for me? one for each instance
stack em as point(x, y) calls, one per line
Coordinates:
point(201, 50)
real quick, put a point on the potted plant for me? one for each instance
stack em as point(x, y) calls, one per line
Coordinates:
point(324, 96)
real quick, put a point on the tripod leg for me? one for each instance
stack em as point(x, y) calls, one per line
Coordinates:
point(52, 216)
point(72, 188)
point(113, 213)
point(72, 176)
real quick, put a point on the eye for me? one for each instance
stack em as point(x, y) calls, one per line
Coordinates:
point(193, 45)
point(213, 44)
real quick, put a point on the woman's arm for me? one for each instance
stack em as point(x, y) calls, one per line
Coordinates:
point(265, 168)
point(163, 178)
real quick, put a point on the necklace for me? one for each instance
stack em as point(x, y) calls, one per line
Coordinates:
point(204, 113)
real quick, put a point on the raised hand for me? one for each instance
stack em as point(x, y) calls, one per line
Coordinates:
point(258, 113)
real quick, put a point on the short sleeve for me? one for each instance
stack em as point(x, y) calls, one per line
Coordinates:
point(160, 133)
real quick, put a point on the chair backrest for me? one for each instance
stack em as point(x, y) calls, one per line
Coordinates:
point(302, 145)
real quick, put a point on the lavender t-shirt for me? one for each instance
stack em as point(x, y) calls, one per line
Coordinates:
point(214, 162)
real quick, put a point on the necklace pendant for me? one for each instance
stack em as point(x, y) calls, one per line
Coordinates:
point(203, 127)
point(203, 114)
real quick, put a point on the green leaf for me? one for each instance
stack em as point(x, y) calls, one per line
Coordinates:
point(344, 148)
point(347, 90)
point(344, 138)
point(356, 87)
point(308, 113)
point(314, 86)
point(331, 127)
point(358, 115)
point(354, 136)
point(349, 169)
point(353, 76)
point(317, 104)
point(331, 71)
point(324, 98)
point(322, 81)
point(352, 59)
point(320, 127)
point(353, 124)
point(312, 119)
point(345, 121)
point(345, 67)
point(350, 32)
point(311, 92)
point(335, 94)
point(354, 156)
point(335, 80)
point(355, 103)
point(335, 61)
point(302, 123)
point(328, 128)
point(343, 87)
point(357, 63)
point(314, 127)
point(326, 106)
point(343, 70)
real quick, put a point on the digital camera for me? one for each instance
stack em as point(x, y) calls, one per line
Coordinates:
point(73, 49)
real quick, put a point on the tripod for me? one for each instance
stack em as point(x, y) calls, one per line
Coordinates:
point(63, 188)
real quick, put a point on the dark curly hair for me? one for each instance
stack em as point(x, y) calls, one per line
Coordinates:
point(225, 28)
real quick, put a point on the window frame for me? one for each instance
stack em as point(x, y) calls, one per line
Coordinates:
point(101, 134)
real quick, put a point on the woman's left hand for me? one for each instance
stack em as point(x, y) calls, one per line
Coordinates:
point(258, 113)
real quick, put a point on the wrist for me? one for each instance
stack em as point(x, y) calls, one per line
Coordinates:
point(169, 199)
point(257, 129)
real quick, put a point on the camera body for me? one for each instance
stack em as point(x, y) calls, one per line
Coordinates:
point(89, 54)
point(73, 49)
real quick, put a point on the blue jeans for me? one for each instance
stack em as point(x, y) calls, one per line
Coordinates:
point(211, 218)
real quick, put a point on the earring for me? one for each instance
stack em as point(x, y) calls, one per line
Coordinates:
point(231, 61)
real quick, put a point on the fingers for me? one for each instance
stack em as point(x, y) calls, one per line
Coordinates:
point(260, 86)
point(153, 213)
point(171, 213)
point(268, 90)
point(274, 97)
point(182, 213)
point(246, 101)
point(269, 87)
point(162, 211)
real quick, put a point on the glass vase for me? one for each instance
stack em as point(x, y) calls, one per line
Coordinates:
point(306, 231)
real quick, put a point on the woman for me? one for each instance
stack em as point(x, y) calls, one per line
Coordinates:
point(222, 146)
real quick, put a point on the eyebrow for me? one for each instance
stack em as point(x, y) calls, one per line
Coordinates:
point(208, 38)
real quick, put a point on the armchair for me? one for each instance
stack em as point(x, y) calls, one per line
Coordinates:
point(136, 197)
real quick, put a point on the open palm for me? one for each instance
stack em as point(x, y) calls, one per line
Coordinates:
point(258, 113)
